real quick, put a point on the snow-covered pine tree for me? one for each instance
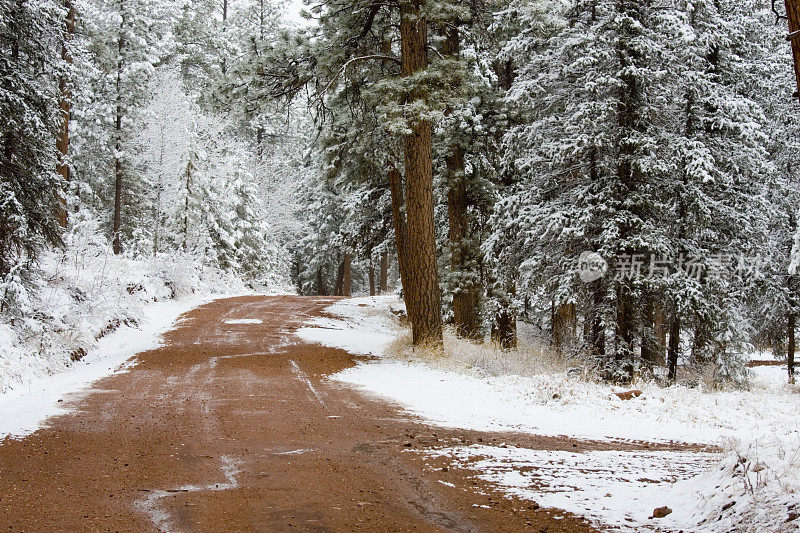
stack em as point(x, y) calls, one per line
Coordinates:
point(126, 39)
point(587, 152)
point(718, 203)
point(772, 299)
point(465, 148)
point(30, 189)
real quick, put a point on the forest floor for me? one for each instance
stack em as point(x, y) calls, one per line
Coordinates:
point(233, 424)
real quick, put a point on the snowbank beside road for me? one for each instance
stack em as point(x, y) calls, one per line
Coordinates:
point(85, 312)
point(362, 326)
point(755, 487)
point(81, 296)
point(25, 408)
point(549, 404)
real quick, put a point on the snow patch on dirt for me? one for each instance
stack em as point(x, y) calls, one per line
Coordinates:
point(244, 321)
point(151, 505)
point(361, 326)
point(616, 488)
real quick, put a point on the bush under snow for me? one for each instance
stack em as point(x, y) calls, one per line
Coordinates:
point(78, 295)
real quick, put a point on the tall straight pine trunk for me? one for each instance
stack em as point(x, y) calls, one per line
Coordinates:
point(118, 171)
point(674, 347)
point(65, 107)
point(793, 14)
point(383, 282)
point(371, 274)
point(422, 274)
point(320, 285)
point(465, 295)
point(346, 275)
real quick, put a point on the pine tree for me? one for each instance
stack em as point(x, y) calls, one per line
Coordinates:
point(127, 39)
point(30, 189)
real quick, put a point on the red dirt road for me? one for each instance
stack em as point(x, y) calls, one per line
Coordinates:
point(233, 427)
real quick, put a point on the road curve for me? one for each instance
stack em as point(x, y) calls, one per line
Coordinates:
point(231, 426)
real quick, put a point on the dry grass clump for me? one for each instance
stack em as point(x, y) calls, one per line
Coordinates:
point(485, 357)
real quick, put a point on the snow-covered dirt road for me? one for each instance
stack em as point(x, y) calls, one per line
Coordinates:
point(233, 425)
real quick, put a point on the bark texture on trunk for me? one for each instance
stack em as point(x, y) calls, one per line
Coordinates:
point(674, 346)
point(384, 275)
point(338, 289)
point(465, 296)
point(624, 351)
point(118, 170)
point(422, 273)
point(346, 275)
point(371, 274)
point(320, 288)
point(65, 107)
point(564, 322)
point(793, 14)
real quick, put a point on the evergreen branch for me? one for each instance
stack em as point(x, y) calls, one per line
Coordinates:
point(347, 63)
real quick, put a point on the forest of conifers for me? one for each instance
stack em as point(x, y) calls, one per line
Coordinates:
point(623, 175)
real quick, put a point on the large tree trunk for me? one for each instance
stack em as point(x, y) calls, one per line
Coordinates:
point(321, 290)
point(564, 321)
point(401, 234)
point(384, 275)
point(674, 346)
point(793, 14)
point(65, 106)
point(371, 275)
point(422, 273)
point(338, 289)
point(118, 171)
point(623, 353)
point(346, 277)
point(465, 295)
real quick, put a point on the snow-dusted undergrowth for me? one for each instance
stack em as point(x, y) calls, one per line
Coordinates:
point(84, 293)
point(752, 486)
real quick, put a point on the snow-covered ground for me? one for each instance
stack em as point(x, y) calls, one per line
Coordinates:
point(753, 485)
point(364, 325)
